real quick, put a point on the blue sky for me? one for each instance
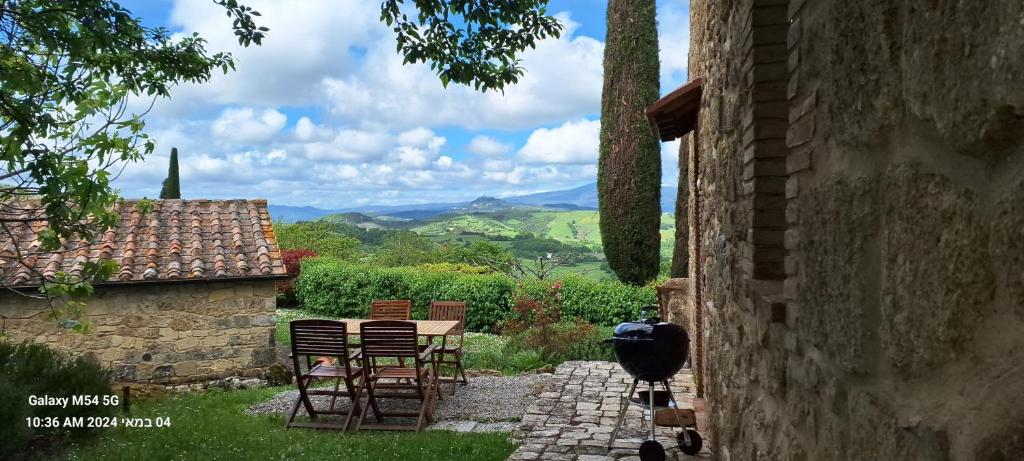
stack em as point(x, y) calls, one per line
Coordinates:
point(324, 113)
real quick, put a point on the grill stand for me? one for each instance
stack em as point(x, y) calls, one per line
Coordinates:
point(651, 450)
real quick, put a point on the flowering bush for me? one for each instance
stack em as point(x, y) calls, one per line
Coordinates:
point(293, 264)
point(537, 325)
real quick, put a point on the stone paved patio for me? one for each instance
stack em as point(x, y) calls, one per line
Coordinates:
point(573, 417)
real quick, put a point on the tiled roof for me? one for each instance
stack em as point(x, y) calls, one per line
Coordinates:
point(178, 240)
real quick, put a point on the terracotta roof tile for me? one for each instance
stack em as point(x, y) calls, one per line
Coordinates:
point(178, 240)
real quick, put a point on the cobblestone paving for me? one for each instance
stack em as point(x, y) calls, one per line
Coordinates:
point(573, 417)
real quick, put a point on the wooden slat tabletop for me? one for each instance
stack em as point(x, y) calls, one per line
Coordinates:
point(423, 327)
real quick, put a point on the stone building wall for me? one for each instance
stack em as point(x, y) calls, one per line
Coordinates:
point(162, 333)
point(894, 329)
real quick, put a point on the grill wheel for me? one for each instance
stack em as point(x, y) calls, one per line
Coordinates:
point(651, 450)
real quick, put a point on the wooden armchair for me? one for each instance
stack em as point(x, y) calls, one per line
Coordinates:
point(450, 352)
point(320, 348)
point(396, 339)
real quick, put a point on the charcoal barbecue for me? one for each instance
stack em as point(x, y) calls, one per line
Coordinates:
point(653, 351)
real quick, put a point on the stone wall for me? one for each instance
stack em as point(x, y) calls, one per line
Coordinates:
point(894, 329)
point(162, 333)
point(675, 299)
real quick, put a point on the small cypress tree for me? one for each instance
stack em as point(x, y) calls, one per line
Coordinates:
point(171, 186)
point(629, 169)
point(681, 252)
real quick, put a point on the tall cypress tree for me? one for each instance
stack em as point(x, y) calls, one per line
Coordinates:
point(629, 170)
point(171, 187)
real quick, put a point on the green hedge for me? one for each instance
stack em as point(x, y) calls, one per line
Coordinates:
point(342, 289)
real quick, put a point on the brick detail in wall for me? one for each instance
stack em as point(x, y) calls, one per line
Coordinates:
point(802, 102)
point(765, 152)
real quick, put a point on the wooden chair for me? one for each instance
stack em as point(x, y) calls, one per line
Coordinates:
point(315, 344)
point(391, 309)
point(396, 339)
point(451, 354)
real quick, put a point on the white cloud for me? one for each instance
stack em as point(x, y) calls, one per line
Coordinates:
point(307, 41)
point(573, 142)
point(304, 129)
point(444, 162)
point(511, 177)
point(371, 130)
point(245, 126)
point(497, 165)
point(674, 43)
point(487, 146)
point(350, 145)
point(276, 155)
point(386, 92)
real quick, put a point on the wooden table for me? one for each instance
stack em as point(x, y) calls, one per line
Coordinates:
point(423, 327)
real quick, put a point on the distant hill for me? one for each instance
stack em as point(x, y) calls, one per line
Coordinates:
point(585, 197)
point(485, 203)
point(287, 213)
point(579, 198)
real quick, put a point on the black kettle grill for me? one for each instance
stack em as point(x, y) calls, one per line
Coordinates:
point(653, 351)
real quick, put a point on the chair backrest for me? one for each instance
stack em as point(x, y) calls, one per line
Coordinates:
point(450, 310)
point(390, 309)
point(388, 338)
point(318, 338)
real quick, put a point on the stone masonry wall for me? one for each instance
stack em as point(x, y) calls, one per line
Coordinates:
point(166, 333)
point(895, 332)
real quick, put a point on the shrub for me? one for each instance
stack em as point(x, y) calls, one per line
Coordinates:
point(337, 288)
point(600, 302)
point(537, 325)
point(31, 369)
point(463, 268)
point(292, 263)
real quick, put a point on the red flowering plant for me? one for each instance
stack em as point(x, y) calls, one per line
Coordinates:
point(293, 264)
point(537, 324)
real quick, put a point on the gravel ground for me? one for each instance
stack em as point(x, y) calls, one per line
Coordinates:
point(484, 399)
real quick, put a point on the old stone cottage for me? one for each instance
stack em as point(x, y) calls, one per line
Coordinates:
point(856, 218)
point(193, 298)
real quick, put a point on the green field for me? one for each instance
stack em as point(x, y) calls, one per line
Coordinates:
point(467, 224)
point(579, 227)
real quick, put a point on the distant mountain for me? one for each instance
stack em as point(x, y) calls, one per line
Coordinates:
point(485, 203)
point(579, 198)
point(286, 213)
point(568, 207)
point(584, 197)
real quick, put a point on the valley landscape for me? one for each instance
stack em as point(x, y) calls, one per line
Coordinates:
point(547, 224)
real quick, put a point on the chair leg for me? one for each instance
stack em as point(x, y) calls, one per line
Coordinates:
point(372, 398)
point(355, 397)
point(437, 376)
point(303, 387)
point(295, 409)
point(460, 368)
point(426, 398)
point(364, 384)
point(334, 398)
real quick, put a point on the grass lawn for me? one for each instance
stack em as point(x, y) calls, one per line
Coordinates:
point(213, 426)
